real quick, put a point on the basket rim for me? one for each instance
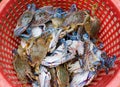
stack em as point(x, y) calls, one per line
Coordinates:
point(115, 5)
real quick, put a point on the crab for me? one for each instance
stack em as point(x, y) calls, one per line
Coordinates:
point(53, 77)
point(25, 20)
point(41, 17)
point(23, 69)
point(74, 19)
point(92, 24)
point(38, 51)
point(57, 22)
point(63, 76)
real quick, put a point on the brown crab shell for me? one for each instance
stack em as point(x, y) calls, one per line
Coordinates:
point(74, 18)
point(20, 67)
point(62, 76)
point(45, 18)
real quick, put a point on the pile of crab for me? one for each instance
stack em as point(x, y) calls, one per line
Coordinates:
point(59, 48)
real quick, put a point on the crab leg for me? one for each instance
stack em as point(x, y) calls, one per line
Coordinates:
point(44, 77)
point(60, 56)
point(82, 79)
point(54, 41)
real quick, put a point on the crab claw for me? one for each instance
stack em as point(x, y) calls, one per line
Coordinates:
point(110, 61)
point(86, 37)
point(44, 77)
point(73, 8)
point(31, 7)
point(54, 41)
point(59, 13)
point(19, 30)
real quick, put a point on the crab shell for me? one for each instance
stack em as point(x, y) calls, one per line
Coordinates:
point(41, 17)
point(53, 77)
point(74, 18)
point(23, 22)
point(38, 51)
point(63, 76)
point(20, 67)
point(92, 25)
point(57, 22)
point(26, 18)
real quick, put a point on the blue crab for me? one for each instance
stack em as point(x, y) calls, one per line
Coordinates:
point(92, 24)
point(63, 76)
point(53, 77)
point(73, 8)
point(38, 51)
point(44, 77)
point(41, 17)
point(106, 62)
point(72, 22)
point(74, 19)
point(22, 68)
point(25, 20)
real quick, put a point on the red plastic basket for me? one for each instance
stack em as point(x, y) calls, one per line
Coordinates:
point(108, 12)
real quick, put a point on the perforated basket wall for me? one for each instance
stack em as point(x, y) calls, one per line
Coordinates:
point(10, 11)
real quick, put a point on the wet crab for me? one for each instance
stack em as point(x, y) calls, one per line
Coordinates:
point(41, 17)
point(53, 77)
point(23, 69)
point(74, 19)
point(38, 51)
point(63, 76)
point(25, 20)
point(57, 22)
point(92, 24)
